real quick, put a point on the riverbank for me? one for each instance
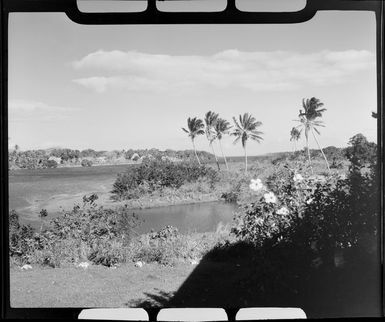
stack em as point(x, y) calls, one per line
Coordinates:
point(57, 189)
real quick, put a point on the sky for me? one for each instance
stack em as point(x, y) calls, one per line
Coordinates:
point(134, 86)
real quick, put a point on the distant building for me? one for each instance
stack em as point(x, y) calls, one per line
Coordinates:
point(135, 157)
point(101, 160)
point(56, 159)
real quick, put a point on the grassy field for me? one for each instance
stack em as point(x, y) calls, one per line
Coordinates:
point(98, 286)
point(234, 282)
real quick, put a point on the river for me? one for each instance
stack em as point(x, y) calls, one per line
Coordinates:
point(53, 189)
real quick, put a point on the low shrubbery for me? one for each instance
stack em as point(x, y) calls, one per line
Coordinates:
point(287, 209)
point(86, 163)
point(104, 237)
point(87, 232)
point(155, 175)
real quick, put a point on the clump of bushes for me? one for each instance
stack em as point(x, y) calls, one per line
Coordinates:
point(316, 214)
point(152, 175)
point(86, 163)
point(167, 246)
point(104, 237)
point(87, 232)
point(19, 237)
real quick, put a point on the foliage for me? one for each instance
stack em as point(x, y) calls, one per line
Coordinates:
point(168, 232)
point(51, 164)
point(295, 134)
point(246, 129)
point(314, 213)
point(195, 127)
point(86, 163)
point(87, 232)
point(312, 109)
point(40, 159)
point(152, 175)
point(360, 152)
point(19, 235)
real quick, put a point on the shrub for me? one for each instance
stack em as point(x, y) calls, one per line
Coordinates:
point(167, 233)
point(19, 236)
point(86, 163)
point(51, 164)
point(85, 232)
point(275, 207)
point(316, 214)
point(107, 252)
point(153, 175)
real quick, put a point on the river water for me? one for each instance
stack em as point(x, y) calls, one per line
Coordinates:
point(62, 188)
point(198, 217)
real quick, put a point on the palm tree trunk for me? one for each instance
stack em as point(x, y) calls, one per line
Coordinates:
point(223, 155)
point(195, 151)
point(308, 153)
point(319, 147)
point(216, 159)
point(245, 159)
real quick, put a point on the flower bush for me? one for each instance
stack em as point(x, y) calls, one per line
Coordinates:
point(315, 213)
point(276, 206)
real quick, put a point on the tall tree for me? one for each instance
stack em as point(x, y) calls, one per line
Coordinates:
point(222, 127)
point(211, 120)
point(195, 127)
point(312, 109)
point(295, 135)
point(246, 129)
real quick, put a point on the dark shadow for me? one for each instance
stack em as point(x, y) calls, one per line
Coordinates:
point(238, 275)
point(160, 299)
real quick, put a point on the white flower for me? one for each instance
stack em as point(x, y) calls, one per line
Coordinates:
point(297, 177)
point(256, 185)
point(139, 264)
point(84, 265)
point(259, 221)
point(283, 211)
point(309, 201)
point(270, 197)
point(26, 267)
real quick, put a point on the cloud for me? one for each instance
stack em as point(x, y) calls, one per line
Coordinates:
point(256, 71)
point(27, 110)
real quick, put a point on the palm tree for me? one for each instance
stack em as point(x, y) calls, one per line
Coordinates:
point(211, 120)
point(222, 127)
point(308, 119)
point(195, 127)
point(246, 129)
point(295, 135)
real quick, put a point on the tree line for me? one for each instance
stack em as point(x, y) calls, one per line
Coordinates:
point(246, 128)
